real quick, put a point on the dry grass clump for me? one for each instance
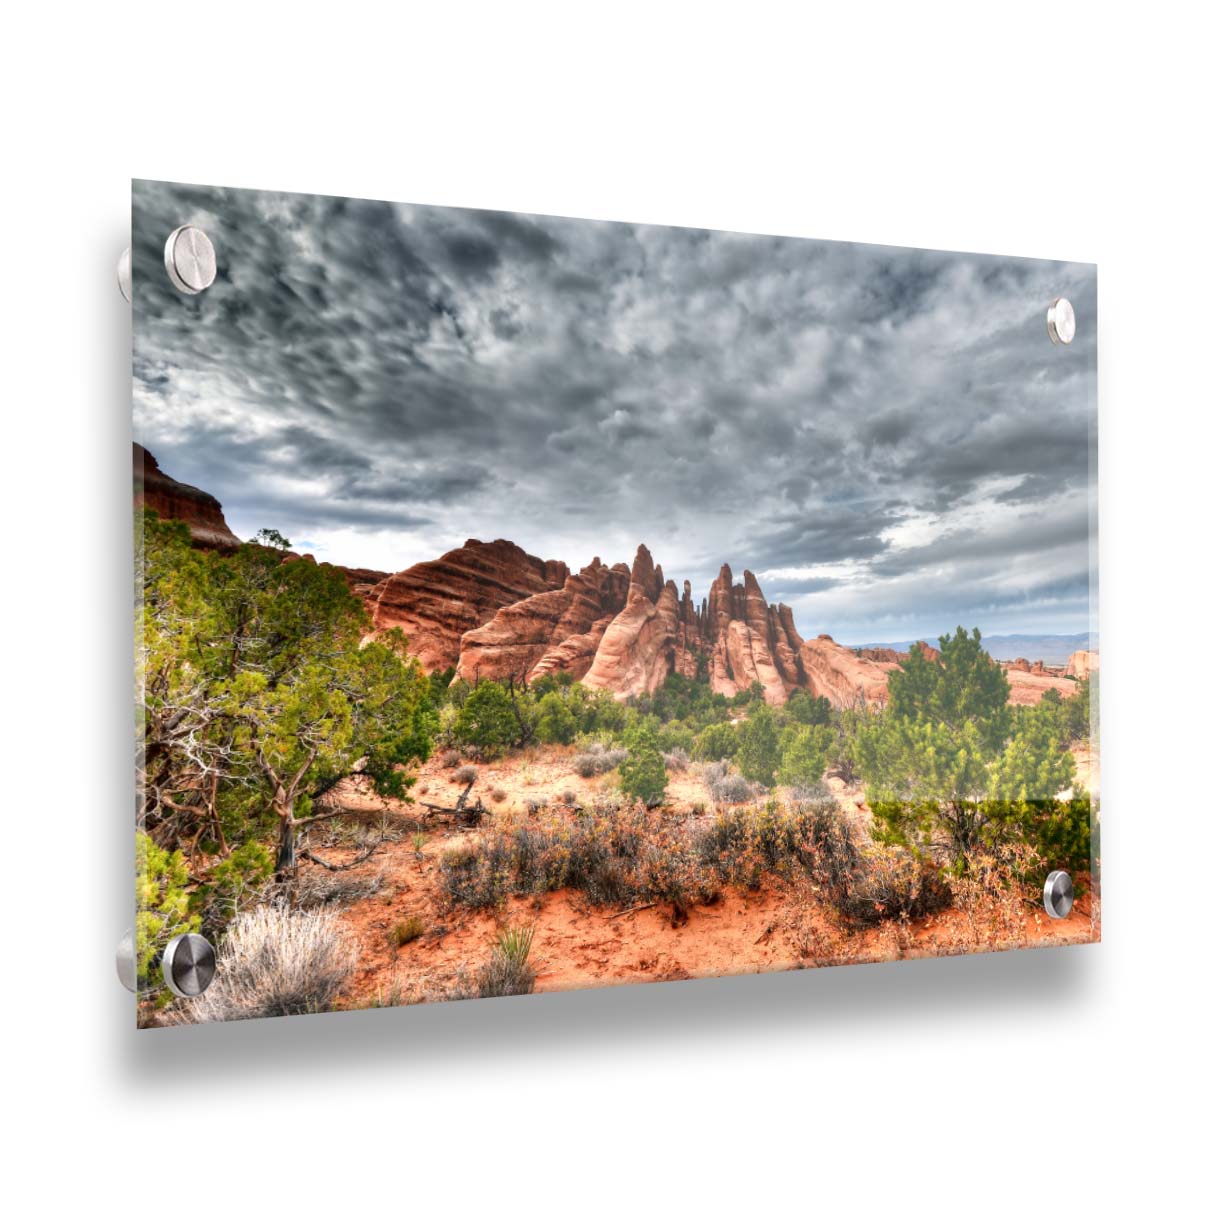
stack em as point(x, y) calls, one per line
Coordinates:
point(505, 971)
point(498, 795)
point(598, 759)
point(727, 785)
point(677, 761)
point(275, 961)
point(465, 774)
point(449, 758)
point(406, 930)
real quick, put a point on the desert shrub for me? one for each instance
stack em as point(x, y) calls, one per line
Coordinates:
point(759, 755)
point(162, 904)
point(497, 795)
point(406, 930)
point(989, 893)
point(716, 742)
point(473, 875)
point(643, 775)
point(873, 884)
point(625, 854)
point(450, 758)
point(274, 961)
point(586, 764)
point(533, 806)
point(745, 844)
point(726, 785)
point(568, 798)
point(598, 760)
point(507, 972)
point(465, 774)
point(677, 760)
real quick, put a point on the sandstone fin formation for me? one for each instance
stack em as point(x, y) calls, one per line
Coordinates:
point(492, 611)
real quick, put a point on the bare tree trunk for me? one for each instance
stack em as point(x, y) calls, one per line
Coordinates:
point(286, 859)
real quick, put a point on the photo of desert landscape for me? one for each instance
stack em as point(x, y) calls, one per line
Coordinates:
point(528, 604)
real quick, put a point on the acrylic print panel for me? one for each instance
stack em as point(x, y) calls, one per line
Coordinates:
point(529, 604)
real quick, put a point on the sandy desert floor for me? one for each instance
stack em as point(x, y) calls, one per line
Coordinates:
point(576, 944)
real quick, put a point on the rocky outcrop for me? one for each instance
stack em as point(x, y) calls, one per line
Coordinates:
point(637, 651)
point(436, 602)
point(1028, 687)
point(154, 490)
point(843, 675)
point(886, 654)
point(546, 632)
point(750, 642)
point(1082, 663)
point(362, 581)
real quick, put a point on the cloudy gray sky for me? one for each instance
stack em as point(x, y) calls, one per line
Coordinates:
point(886, 437)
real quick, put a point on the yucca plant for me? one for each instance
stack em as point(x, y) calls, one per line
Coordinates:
point(506, 972)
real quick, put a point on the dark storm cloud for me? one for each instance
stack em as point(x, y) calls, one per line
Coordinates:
point(875, 432)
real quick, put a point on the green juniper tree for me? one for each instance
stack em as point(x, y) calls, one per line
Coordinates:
point(488, 719)
point(758, 755)
point(643, 773)
point(949, 763)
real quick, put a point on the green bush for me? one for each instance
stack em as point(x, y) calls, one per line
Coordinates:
point(759, 756)
point(162, 905)
point(487, 719)
point(232, 884)
point(804, 756)
point(555, 722)
point(716, 743)
point(643, 773)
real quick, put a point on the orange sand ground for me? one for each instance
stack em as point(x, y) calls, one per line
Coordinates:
point(578, 945)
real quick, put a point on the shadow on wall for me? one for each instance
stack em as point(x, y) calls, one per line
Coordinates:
point(828, 1004)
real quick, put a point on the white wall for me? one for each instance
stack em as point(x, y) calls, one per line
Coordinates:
point(991, 1088)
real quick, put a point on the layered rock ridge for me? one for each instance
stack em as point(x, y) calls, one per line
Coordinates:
point(172, 499)
point(436, 602)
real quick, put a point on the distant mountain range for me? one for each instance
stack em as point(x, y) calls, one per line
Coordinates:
point(1054, 648)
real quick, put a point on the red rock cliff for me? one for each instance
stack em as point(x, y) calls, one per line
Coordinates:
point(153, 489)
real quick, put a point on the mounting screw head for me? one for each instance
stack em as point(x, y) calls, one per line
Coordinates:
point(189, 965)
point(1060, 321)
point(191, 262)
point(123, 270)
point(1059, 894)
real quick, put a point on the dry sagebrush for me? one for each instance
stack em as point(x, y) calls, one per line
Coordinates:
point(275, 961)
